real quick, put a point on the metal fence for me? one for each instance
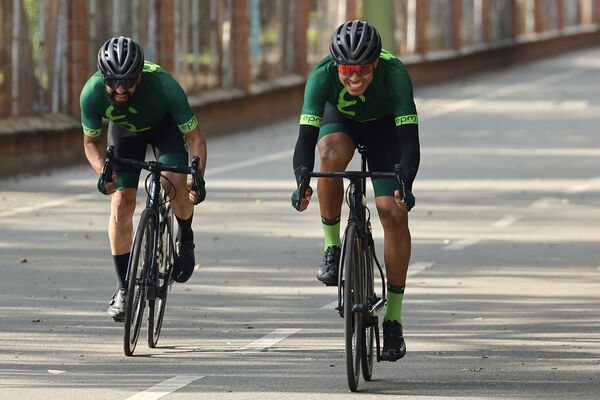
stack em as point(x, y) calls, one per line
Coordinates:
point(48, 47)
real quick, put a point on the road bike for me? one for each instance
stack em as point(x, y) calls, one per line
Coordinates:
point(153, 249)
point(358, 302)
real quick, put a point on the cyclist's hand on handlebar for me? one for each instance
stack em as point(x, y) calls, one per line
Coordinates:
point(408, 204)
point(196, 197)
point(303, 205)
point(107, 187)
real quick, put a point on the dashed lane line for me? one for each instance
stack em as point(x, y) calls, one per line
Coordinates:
point(506, 221)
point(461, 244)
point(268, 340)
point(165, 387)
point(47, 204)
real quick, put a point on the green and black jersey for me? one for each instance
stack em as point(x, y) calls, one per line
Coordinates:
point(157, 95)
point(388, 99)
point(389, 93)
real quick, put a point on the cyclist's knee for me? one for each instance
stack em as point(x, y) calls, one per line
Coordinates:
point(123, 204)
point(336, 154)
point(391, 216)
point(173, 178)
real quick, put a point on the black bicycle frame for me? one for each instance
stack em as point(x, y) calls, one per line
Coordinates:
point(153, 201)
point(358, 216)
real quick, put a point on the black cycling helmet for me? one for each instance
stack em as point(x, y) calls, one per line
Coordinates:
point(355, 42)
point(120, 58)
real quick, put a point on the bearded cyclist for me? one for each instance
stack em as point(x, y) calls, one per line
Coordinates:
point(361, 94)
point(144, 106)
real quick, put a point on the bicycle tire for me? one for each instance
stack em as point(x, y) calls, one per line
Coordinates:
point(370, 331)
point(353, 294)
point(142, 250)
point(165, 259)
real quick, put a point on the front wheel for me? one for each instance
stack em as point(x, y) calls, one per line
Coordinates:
point(140, 262)
point(371, 329)
point(165, 259)
point(353, 296)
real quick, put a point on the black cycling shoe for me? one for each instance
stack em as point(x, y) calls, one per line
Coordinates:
point(394, 347)
point(328, 271)
point(183, 267)
point(116, 307)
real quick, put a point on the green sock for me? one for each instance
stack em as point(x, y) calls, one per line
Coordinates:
point(331, 229)
point(393, 311)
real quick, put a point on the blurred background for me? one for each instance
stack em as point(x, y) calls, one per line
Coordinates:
point(224, 52)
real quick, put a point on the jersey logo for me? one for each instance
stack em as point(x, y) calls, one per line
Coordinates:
point(343, 103)
point(306, 119)
point(188, 126)
point(128, 126)
point(407, 119)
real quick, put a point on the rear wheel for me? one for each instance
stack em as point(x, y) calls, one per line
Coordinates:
point(353, 295)
point(141, 259)
point(165, 259)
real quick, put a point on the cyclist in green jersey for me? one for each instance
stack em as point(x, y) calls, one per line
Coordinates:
point(361, 94)
point(144, 106)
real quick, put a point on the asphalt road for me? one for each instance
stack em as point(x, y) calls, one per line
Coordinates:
point(502, 300)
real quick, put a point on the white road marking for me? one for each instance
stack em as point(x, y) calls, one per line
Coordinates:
point(549, 201)
point(165, 387)
point(268, 340)
point(254, 161)
point(47, 204)
point(506, 221)
point(584, 187)
point(461, 244)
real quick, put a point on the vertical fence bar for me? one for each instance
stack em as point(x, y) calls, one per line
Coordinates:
point(184, 51)
point(63, 55)
point(15, 57)
point(177, 35)
point(151, 45)
point(455, 26)
point(215, 56)
point(93, 34)
point(42, 63)
point(135, 14)
point(196, 42)
point(291, 34)
point(411, 26)
point(478, 21)
point(226, 40)
point(282, 32)
point(56, 76)
point(115, 17)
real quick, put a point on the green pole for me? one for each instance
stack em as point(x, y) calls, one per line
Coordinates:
point(380, 13)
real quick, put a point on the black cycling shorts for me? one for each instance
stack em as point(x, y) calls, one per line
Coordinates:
point(169, 145)
point(378, 137)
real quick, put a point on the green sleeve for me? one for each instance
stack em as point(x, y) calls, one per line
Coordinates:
point(315, 95)
point(405, 111)
point(180, 108)
point(92, 107)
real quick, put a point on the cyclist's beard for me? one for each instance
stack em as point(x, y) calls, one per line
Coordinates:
point(120, 106)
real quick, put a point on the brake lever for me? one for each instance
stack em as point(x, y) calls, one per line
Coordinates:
point(400, 180)
point(108, 164)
